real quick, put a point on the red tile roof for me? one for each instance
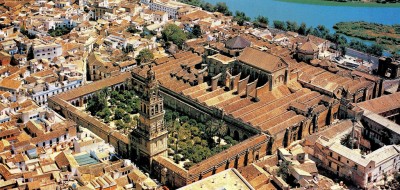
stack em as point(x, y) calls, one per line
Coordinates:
point(261, 60)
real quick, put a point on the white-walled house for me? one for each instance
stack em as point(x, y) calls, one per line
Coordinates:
point(49, 51)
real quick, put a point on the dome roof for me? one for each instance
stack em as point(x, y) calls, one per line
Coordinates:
point(315, 62)
point(237, 42)
point(333, 69)
point(309, 47)
point(325, 63)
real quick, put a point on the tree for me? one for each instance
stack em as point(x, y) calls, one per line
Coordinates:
point(132, 29)
point(222, 129)
point(279, 25)
point(184, 119)
point(320, 31)
point(168, 116)
point(240, 17)
point(177, 158)
point(302, 29)
point(175, 115)
point(229, 140)
point(119, 113)
point(358, 45)
point(172, 32)
point(340, 42)
point(208, 7)
point(145, 55)
point(292, 26)
point(283, 170)
point(196, 31)
point(193, 122)
point(222, 8)
point(120, 125)
point(211, 130)
point(195, 131)
point(261, 21)
point(375, 49)
point(146, 33)
point(197, 140)
point(13, 60)
point(187, 165)
point(346, 141)
point(30, 54)
point(397, 177)
point(97, 103)
point(105, 114)
point(395, 55)
point(59, 31)
point(342, 50)
point(127, 118)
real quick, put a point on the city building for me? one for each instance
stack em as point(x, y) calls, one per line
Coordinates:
point(47, 51)
point(228, 179)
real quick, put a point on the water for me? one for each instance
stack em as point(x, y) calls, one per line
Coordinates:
point(313, 15)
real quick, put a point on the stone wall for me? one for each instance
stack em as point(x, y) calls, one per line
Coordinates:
point(237, 156)
point(120, 142)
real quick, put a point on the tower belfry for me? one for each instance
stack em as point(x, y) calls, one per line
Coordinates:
point(150, 136)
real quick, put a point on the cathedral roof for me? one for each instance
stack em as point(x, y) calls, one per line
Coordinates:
point(261, 60)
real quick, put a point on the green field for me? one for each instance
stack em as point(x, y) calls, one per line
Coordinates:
point(335, 3)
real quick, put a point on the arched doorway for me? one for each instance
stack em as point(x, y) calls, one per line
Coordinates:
point(236, 135)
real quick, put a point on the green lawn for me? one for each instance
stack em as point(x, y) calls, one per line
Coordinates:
point(335, 3)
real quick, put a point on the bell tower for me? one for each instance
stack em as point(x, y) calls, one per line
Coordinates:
point(150, 136)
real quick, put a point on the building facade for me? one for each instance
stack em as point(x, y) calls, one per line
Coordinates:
point(48, 52)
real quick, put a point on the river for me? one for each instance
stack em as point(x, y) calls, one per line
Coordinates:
point(313, 15)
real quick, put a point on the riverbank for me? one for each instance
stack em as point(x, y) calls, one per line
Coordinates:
point(386, 35)
point(348, 4)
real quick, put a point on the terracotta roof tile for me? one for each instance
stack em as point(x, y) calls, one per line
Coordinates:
point(261, 60)
point(382, 104)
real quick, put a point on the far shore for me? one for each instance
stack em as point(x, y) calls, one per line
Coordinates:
point(336, 3)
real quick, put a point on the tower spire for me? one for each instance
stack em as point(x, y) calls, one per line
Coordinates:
point(150, 137)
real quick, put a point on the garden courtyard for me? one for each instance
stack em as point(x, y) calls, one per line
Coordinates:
point(189, 141)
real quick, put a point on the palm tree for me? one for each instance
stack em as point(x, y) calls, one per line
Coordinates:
point(211, 130)
point(222, 129)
